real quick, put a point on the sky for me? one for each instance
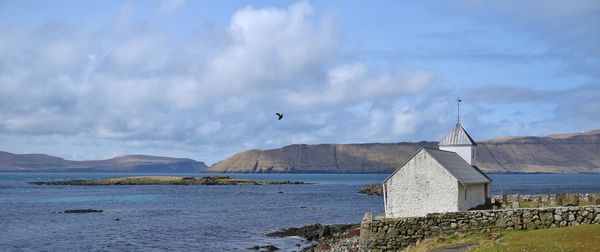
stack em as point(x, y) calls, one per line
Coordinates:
point(203, 79)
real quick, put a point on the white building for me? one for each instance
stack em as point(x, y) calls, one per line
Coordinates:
point(434, 181)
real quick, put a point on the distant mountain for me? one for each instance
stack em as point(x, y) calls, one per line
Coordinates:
point(130, 163)
point(564, 153)
point(579, 152)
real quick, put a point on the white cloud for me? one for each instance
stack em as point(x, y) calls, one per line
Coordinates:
point(354, 83)
point(405, 123)
point(130, 87)
point(272, 46)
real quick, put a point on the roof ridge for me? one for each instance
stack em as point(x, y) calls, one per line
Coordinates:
point(429, 148)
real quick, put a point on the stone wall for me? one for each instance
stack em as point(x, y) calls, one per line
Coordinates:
point(393, 234)
point(545, 200)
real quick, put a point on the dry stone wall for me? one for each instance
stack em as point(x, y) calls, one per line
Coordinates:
point(395, 234)
point(545, 200)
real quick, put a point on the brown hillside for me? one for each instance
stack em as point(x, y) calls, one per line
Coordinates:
point(557, 153)
point(130, 163)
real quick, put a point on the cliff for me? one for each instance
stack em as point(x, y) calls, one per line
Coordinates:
point(130, 163)
point(564, 153)
point(322, 158)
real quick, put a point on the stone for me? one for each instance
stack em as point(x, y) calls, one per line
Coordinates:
point(80, 211)
point(558, 217)
point(516, 220)
point(270, 248)
point(515, 205)
point(559, 200)
point(547, 217)
point(392, 232)
point(501, 222)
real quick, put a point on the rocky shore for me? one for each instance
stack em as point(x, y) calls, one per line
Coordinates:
point(327, 236)
point(165, 180)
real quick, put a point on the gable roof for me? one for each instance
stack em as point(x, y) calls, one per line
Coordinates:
point(458, 137)
point(454, 164)
point(458, 167)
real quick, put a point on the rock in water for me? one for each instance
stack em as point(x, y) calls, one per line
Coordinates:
point(372, 189)
point(264, 248)
point(314, 231)
point(77, 211)
point(270, 248)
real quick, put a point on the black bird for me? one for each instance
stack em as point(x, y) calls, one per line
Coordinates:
point(279, 115)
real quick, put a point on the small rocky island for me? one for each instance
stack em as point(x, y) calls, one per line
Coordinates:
point(165, 180)
point(372, 189)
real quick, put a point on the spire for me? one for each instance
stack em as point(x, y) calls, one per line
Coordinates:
point(458, 100)
point(457, 137)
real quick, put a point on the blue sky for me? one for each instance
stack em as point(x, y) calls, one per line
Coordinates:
point(203, 79)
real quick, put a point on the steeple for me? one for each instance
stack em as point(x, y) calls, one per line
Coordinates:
point(458, 137)
point(459, 141)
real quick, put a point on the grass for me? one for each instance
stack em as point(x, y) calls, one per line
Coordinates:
point(524, 204)
point(573, 238)
point(452, 240)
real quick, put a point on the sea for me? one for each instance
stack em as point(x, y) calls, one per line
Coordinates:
point(203, 218)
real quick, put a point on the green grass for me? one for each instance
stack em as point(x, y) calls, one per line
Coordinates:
point(451, 240)
point(524, 204)
point(574, 238)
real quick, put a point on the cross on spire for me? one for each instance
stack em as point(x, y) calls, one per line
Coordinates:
point(458, 100)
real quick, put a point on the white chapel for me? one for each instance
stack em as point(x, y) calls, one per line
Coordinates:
point(437, 180)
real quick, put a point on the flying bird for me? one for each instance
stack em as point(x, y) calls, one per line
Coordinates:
point(279, 115)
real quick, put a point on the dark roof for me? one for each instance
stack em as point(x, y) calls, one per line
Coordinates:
point(454, 164)
point(458, 167)
point(458, 137)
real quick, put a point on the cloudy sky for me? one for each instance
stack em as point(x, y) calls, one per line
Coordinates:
point(203, 79)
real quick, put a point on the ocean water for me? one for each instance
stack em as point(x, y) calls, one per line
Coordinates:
point(202, 218)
